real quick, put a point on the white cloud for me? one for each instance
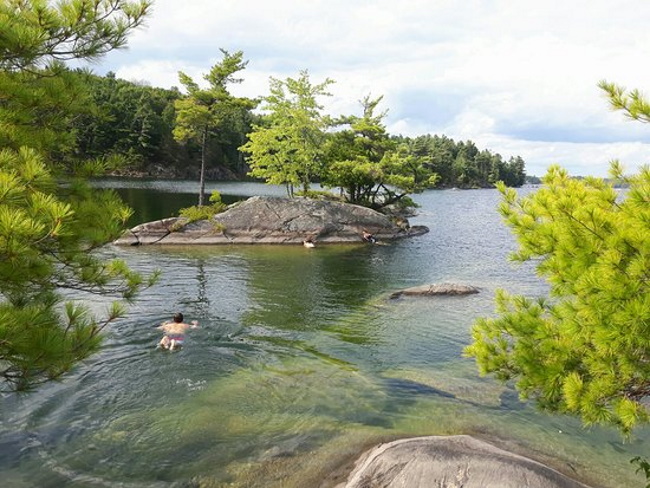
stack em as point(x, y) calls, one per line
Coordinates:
point(514, 77)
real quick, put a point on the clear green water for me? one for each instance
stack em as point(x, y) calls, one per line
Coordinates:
point(300, 363)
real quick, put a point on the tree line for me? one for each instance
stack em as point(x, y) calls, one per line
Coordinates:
point(463, 165)
point(135, 122)
point(147, 128)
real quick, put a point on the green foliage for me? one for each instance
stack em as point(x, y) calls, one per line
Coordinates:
point(287, 148)
point(463, 165)
point(133, 123)
point(204, 111)
point(318, 195)
point(372, 169)
point(355, 154)
point(203, 212)
point(36, 108)
point(404, 173)
point(36, 32)
point(39, 96)
point(39, 348)
point(293, 148)
point(49, 230)
point(131, 120)
point(585, 350)
point(47, 236)
point(633, 104)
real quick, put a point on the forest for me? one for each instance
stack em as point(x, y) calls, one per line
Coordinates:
point(135, 122)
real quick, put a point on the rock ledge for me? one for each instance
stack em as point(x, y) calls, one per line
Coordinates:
point(273, 220)
point(448, 289)
point(451, 462)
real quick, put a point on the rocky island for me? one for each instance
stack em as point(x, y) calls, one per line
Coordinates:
point(275, 220)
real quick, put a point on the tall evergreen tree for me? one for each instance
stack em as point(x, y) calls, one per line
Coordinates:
point(203, 111)
point(584, 350)
point(355, 153)
point(371, 168)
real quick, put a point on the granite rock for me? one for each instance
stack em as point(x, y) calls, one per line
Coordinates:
point(451, 462)
point(274, 220)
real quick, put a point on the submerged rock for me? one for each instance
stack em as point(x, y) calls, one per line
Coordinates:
point(433, 290)
point(458, 381)
point(274, 220)
point(451, 462)
point(410, 387)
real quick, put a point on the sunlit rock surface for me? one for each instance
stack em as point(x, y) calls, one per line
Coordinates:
point(273, 220)
point(450, 462)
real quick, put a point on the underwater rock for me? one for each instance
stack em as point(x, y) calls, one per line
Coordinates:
point(451, 461)
point(408, 387)
point(462, 384)
point(436, 289)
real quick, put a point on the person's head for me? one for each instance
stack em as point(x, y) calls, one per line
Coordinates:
point(178, 317)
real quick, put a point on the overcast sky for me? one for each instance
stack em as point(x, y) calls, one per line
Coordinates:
point(515, 77)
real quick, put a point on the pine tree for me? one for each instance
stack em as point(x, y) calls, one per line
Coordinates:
point(48, 231)
point(583, 350)
point(355, 153)
point(204, 111)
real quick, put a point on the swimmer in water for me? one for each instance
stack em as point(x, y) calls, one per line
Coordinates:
point(175, 332)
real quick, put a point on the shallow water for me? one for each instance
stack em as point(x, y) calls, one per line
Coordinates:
point(301, 361)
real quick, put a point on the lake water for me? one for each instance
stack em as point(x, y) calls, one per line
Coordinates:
point(301, 362)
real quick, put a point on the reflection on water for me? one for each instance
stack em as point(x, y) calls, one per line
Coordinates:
point(301, 361)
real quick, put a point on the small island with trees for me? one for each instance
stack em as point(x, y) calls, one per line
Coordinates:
point(294, 144)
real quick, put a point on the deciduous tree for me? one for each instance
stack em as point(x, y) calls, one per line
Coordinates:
point(288, 147)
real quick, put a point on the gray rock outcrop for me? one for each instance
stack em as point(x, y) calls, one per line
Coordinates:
point(451, 462)
point(273, 220)
point(438, 289)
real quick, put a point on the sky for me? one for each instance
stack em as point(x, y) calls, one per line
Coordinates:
point(518, 78)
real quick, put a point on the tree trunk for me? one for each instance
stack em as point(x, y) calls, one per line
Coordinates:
point(204, 141)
